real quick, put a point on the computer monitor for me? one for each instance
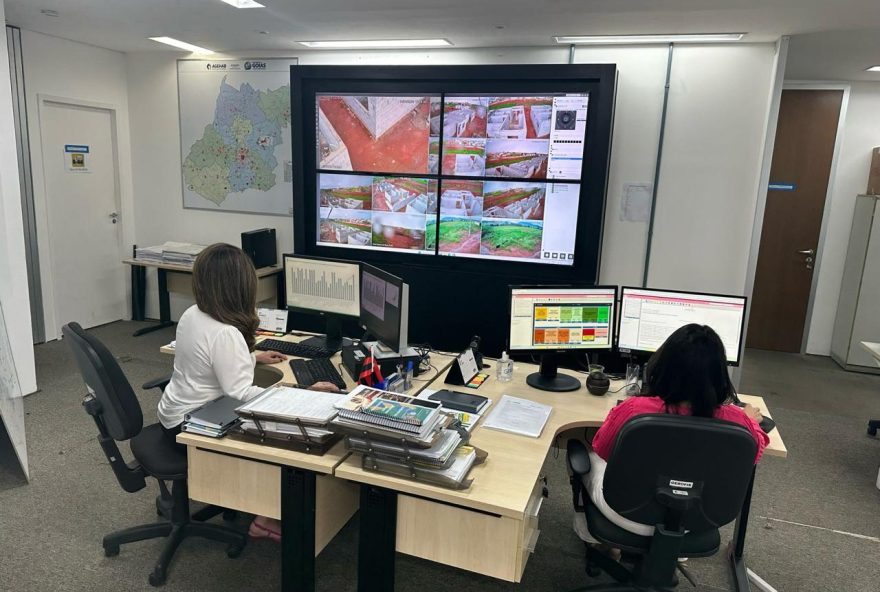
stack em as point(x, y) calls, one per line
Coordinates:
point(648, 317)
point(384, 310)
point(550, 319)
point(323, 286)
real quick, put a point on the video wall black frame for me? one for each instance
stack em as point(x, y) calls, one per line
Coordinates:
point(471, 291)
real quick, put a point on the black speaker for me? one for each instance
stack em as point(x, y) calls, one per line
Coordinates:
point(260, 247)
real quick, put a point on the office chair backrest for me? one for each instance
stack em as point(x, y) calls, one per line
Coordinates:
point(120, 409)
point(658, 457)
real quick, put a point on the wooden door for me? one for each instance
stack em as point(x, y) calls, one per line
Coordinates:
point(805, 137)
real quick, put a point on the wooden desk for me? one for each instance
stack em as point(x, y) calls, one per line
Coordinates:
point(499, 512)
point(295, 487)
point(176, 278)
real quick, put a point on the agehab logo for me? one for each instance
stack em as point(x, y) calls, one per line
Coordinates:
point(255, 65)
point(215, 66)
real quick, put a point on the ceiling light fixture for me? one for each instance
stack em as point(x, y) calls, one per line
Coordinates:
point(647, 39)
point(182, 45)
point(49, 12)
point(244, 3)
point(873, 69)
point(377, 43)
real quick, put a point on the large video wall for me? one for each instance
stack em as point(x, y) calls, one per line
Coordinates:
point(462, 175)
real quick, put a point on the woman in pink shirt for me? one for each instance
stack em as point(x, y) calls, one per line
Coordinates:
point(686, 376)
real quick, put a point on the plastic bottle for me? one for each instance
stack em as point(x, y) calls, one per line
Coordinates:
point(505, 368)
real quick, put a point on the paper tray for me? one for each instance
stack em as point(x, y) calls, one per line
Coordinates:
point(416, 473)
point(287, 441)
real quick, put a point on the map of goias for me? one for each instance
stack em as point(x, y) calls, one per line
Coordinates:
point(235, 135)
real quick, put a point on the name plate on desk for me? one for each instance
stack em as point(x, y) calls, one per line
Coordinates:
point(463, 369)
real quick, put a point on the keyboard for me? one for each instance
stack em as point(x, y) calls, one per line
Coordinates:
point(308, 372)
point(290, 348)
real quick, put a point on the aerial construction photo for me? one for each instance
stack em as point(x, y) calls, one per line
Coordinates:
point(460, 235)
point(373, 134)
point(512, 238)
point(350, 192)
point(513, 200)
point(519, 117)
point(346, 227)
point(519, 159)
point(401, 231)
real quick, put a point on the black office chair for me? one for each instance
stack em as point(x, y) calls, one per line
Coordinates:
point(687, 476)
point(113, 405)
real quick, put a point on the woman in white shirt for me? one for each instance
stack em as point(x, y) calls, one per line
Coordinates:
point(214, 351)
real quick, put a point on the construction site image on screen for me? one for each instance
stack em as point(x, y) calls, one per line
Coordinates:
point(509, 171)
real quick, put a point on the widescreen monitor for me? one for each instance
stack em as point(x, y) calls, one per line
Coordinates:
point(549, 319)
point(648, 317)
point(481, 176)
point(327, 287)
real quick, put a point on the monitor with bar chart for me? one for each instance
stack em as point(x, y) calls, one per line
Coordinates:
point(322, 285)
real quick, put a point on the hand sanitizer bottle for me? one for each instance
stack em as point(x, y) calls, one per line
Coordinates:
point(505, 368)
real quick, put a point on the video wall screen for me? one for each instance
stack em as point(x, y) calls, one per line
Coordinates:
point(490, 177)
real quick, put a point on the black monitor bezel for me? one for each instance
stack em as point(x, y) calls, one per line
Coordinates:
point(286, 256)
point(400, 283)
point(597, 80)
point(742, 328)
point(611, 325)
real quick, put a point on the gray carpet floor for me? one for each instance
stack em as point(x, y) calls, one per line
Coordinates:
point(815, 516)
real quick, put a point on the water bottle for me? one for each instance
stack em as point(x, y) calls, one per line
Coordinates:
point(505, 368)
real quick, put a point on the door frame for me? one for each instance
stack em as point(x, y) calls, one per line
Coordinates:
point(50, 310)
point(832, 177)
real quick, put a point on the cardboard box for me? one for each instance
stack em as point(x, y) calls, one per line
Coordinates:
point(874, 175)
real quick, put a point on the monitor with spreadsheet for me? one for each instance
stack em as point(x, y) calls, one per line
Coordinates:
point(648, 317)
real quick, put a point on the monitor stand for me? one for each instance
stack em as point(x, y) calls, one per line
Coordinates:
point(548, 379)
point(333, 340)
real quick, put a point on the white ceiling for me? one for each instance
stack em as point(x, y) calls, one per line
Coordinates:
point(834, 55)
point(124, 25)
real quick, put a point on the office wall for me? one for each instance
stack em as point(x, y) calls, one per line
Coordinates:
point(13, 270)
point(717, 112)
point(59, 68)
point(861, 134)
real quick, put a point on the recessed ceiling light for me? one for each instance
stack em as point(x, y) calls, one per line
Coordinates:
point(873, 69)
point(182, 45)
point(644, 39)
point(49, 12)
point(244, 3)
point(376, 43)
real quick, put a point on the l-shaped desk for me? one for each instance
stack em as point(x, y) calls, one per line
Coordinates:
point(314, 496)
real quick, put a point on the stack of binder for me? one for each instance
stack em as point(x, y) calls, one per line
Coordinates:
point(405, 436)
point(214, 419)
point(295, 417)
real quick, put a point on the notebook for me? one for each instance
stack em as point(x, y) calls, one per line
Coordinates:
point(218, 414)
point(460, 401)
point(390, 410)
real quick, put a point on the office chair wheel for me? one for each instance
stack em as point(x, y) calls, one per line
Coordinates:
point(111, 550)
point(233, 551)
point(157, 578)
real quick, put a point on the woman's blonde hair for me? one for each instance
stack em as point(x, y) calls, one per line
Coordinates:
point(225, 287)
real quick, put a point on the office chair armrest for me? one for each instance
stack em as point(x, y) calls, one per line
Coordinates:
point(159, 383)
point(578, 458)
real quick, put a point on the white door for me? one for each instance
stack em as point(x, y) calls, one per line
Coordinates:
point(83, 211)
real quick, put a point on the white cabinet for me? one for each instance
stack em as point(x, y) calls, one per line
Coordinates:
point(858, 310)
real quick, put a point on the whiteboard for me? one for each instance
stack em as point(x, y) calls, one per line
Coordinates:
point(11, 406)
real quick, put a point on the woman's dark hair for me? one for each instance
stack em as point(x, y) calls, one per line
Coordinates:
point(691, 367)
point(225, 287)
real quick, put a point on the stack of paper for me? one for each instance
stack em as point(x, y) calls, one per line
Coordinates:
point(180, 253)
point(519, 416)
point(290, 414)
point(151, 254)
point(404, 436)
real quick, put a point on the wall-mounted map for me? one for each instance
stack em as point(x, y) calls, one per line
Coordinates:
point(235, 134)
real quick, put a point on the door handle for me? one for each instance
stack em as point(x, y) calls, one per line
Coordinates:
point(808, 252)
